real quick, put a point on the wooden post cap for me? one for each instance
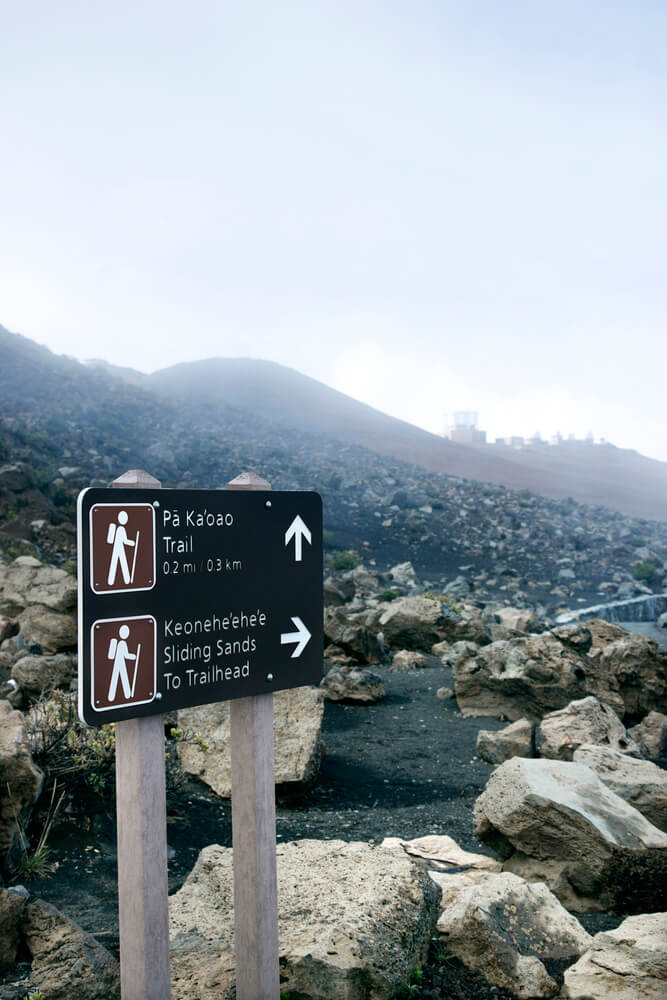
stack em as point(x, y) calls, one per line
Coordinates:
point(249, 480)
point(138, 479)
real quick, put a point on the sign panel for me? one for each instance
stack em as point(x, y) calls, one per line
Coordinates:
point(195, 596)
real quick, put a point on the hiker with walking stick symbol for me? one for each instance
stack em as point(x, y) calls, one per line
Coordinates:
point(122, 547)
point(123, 662)
point(117, 536)
point(119, 652)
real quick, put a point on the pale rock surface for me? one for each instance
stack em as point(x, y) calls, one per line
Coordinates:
point(628, 672)
point(503, 928)
point(354, 921)
point(442, 853)
point(42, 674)
point(651, 735)
point(639, 782)
point(414, 623)
point(297, 729)
point(518, 619)
point(12, 908)
point(347, 683)
point(353, 637)
point(518, 678)
point(584, 721)
point(67, 963)
point(515, 740)
point(627, 963)
point(27, 581)
point(51, 630)
point(536, 674)
point(404, 575)
point(418, 623)
point(407, 659)
point(20, 779)
point(555, 821)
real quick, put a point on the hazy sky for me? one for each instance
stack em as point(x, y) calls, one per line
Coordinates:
point(428, 205)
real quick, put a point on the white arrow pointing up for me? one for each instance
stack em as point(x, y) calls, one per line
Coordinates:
point(298, 531)
point(300, 637)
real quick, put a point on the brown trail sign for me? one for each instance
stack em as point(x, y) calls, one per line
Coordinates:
point(188, 597)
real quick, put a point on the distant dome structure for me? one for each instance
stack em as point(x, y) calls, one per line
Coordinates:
point(463, 428)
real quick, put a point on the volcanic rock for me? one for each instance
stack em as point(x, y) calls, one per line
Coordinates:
point(515, 740)
point(555, 821)
point(356, 684)
point(505, 928)
point(639, 782)
point(67, 963)
point(20, 779)
point(583, 721)
point(627, 963)
point(296, 731)
point(354, 921)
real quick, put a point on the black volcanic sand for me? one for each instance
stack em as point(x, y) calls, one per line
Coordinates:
point(404, 767)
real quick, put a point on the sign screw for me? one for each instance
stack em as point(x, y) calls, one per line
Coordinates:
point(269, 677)
point(267, 503)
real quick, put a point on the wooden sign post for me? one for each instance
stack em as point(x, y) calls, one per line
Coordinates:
point(254, 834)
point(141, 817)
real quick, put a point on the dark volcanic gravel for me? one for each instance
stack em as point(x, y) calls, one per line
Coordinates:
point(404, 767)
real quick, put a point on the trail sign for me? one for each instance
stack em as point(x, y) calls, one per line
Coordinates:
point(195, 596)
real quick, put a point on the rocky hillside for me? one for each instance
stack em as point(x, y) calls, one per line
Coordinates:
point(64, 426)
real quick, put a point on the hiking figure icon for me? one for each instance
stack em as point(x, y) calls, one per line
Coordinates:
point(117, 536)
point(120, 653)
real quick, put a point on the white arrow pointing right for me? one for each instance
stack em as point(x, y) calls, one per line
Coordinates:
point(301, 637)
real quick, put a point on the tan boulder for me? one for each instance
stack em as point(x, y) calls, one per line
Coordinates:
point(67, 963)
point(627, 963)
point(27, 581)
point(51, 630)
point(297, 740)
point(555, 821)
point(20, 779)
point(354, 921)
point(584, 721)
point(639, 782)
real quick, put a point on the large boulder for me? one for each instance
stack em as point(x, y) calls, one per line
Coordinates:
point(418, 623)
point(356, 684)
point(20, 779)
point(639, 782)
point(297, 725)
point(536, 674)
point(515, 740)
point(651, 735)
point(505, 928)
point(584, 721)
point(354, 921)
point(52, 631)
point(626, 671)
point(353, 637)
point(555, 821)
point(38, 675)
point(27, 581)
point(518, 678)
point(67, 963)
point(12, 909)
point(627, 963)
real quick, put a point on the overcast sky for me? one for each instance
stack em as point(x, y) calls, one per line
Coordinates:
point(428, 205)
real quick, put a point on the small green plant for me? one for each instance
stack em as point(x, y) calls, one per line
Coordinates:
point(34, 996)
point(414, 987)
point(389, 595)
point(646, 572)
point(36, 862)
point(345, 559)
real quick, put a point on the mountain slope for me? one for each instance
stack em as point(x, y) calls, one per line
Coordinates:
point(620, 479)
